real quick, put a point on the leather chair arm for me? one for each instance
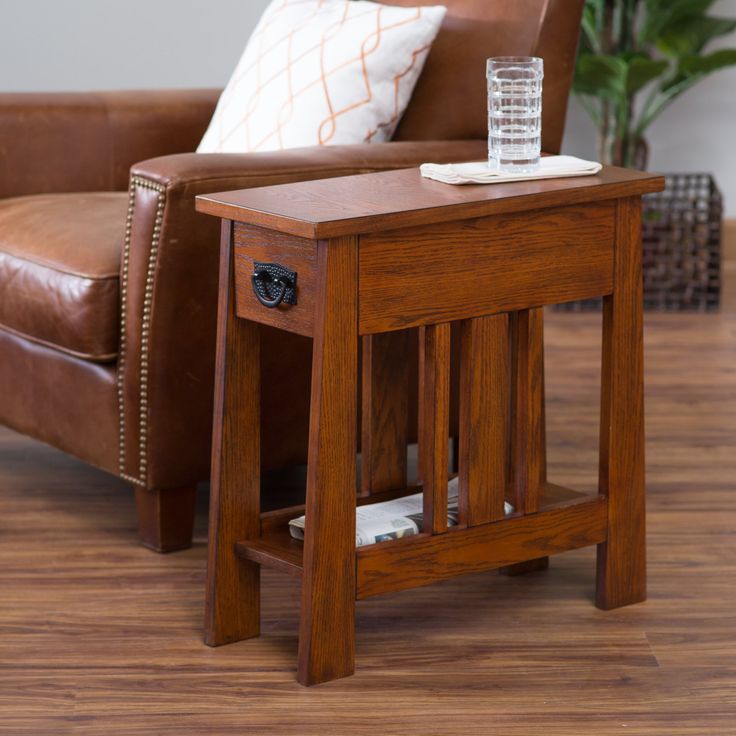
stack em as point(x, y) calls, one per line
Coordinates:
point(66, 142)
point(169, 290)
point(210, 172)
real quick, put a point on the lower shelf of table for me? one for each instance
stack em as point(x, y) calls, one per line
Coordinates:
point(566, 520)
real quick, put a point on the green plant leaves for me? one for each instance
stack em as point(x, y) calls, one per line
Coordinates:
point(616, 77)
point(601, 76)
point(642, 70)
point(690, 35)
point(589, 38)
point(691, 65)
point(662, 14)
point(631, 45)
point(693, 68)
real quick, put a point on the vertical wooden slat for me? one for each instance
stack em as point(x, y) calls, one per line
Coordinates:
point(420, 402)
point(434, 439)
point(327, 623)
point(233, 601)
point(484, 384)
point(385, 412)
point(527, 433)
point(621, 575)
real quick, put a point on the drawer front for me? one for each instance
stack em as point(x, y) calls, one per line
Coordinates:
point(457, 270)
point(253, 244)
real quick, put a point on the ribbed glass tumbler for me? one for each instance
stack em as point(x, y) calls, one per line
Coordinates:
point(514, 113)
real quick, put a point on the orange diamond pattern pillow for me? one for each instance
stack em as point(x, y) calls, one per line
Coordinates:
point(322, 72)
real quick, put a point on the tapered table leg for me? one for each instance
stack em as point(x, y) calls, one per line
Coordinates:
point(233, 596)
point(327, 624)
point(621, 575)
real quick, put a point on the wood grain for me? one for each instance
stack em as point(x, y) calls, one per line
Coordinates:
point(484, 416)
point(527, 434)
point(385, 412)
point(434, 439)
point(327, 619)
point(297, 254)
point(423, 559)
point(101, 636)
point(403, 198)
point(621, 575)
point(232, 610)
point(557, 256)
point(277, 549)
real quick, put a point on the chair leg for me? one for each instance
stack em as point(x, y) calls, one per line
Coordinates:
point(166, 517)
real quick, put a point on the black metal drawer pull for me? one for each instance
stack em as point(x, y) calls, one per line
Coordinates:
point(273, 284)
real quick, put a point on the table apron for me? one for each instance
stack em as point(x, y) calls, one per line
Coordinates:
point(458, 270)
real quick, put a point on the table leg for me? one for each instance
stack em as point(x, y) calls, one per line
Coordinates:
point(327, 625)
point(233, 597)
point(621, 575)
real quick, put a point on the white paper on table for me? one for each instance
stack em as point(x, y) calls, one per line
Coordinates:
point(400, 517)
point(479, 172)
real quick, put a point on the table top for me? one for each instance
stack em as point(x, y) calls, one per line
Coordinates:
point(363, 203)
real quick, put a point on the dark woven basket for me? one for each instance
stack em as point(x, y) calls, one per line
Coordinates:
point(681, 237)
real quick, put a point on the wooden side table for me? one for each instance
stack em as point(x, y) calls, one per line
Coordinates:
point(362, 258)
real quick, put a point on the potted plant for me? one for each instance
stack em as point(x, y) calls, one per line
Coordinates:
point(650, 49)
point(636, 58)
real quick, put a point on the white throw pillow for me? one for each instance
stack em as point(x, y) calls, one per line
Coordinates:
point(319, 72)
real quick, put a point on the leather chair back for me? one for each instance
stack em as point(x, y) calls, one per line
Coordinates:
point(449, 101)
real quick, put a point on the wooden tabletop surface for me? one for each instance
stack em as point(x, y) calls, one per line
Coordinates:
point(363, 203)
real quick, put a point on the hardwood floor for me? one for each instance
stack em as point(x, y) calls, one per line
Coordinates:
point(99, 635)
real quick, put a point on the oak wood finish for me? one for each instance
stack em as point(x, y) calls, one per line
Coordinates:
point(484, 419)
point(428, 274)
point(622, 557)
point(165, 517)
point(558, 255)
point(98, 635)
point(541, 563)
point(424, 559)
point(434, 365)
point(403, 198)
point(232, 610)
point(298, 254)
point(327, 620)
point(275, 547)
point(385, 412)
point(527, 434)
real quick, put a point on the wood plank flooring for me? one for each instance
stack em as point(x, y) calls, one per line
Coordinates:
point(100, 636)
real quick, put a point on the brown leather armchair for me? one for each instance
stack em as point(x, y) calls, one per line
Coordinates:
point(108, 276)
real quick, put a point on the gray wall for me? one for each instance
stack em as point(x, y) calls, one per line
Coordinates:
point(105, 44)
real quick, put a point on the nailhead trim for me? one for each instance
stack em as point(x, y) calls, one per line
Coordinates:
point(137, 181)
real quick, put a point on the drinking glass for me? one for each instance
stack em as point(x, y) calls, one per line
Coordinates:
point(514, 112)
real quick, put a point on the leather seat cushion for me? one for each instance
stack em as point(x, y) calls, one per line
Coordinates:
point(60, 270)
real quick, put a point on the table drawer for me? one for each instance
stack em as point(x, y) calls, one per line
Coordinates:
point(254, 244)
point(414, 276)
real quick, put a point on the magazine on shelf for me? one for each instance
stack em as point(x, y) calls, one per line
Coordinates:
point(401, 517)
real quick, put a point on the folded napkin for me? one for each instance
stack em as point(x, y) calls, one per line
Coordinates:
point(478, 172)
